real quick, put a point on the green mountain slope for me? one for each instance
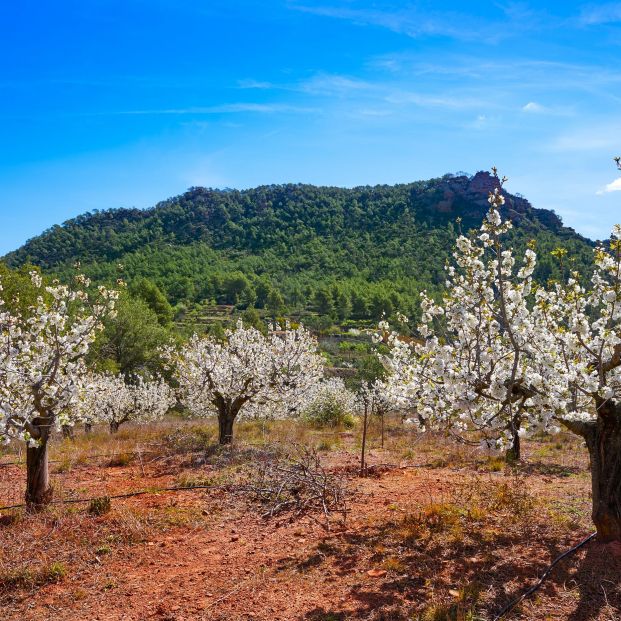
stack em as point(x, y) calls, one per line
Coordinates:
point(351, 252)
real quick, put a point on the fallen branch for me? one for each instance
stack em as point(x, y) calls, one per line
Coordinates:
point(300, 484)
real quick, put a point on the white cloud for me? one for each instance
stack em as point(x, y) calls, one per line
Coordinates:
point(534, 107)
point(614, 186)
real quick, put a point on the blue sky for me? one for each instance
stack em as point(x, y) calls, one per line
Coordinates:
point(109, 103)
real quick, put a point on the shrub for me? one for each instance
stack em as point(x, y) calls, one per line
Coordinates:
point(54, 572)
point(329, 413)
point(182, 441)
point(100, 506)
point(331, 406)
point(26, 577)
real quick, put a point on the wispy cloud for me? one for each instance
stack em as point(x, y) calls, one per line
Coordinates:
point(374, 112)
point(317, 84)
point(232, 108)
point(481, 122)
point(514, 72)
point(455, 101)
point(413, 22)
point(597, 14)
point(329, 84)
point(599, 138)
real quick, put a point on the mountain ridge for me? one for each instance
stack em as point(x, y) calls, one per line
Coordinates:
point(473, 188)
point(393, 238)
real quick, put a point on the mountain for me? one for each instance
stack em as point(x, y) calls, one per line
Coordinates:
point(309, 244)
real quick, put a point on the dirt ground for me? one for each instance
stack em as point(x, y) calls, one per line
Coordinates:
point(435, 532)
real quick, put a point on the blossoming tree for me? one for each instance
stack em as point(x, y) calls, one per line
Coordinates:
point(583, 328)
point(109, 398)
point(474, 370)
point(245, 372)
point(505, 357)
point(42, 366)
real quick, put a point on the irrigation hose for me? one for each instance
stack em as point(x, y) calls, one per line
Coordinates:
point(511, 605)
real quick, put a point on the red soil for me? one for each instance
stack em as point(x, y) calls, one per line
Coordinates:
point(209, 555)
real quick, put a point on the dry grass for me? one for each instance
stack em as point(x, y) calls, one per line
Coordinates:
point(452, 532)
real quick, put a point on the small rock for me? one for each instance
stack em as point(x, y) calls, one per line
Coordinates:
point(376, 573)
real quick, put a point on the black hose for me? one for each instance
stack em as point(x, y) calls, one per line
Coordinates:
point(511, 605)
point(141, 492)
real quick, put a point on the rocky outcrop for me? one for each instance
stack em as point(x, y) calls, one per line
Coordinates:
point(466, 197)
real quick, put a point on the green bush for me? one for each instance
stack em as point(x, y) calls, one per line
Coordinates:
point(329, 411)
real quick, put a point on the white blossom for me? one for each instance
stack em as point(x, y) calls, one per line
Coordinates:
point(42, 357)
point(248, 374)
point(109, 398)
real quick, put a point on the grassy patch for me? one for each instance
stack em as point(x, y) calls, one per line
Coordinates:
point(27, 578)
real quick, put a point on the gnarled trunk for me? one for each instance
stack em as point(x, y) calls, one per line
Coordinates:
point(38, 488)
point(68, 432)
point(228, 409)
point(603, 440)
point(88, 428)
point(225, 426)
point(114, 426)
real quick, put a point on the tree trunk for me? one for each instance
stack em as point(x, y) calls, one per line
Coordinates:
point(603, 440)
point(68, 432)
point(225, 426)
point(363, 465)
point(38, 488)
point(88, 428)
point(114, 426)
point(514, 453)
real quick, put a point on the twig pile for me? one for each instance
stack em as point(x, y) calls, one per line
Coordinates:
point(299, 484)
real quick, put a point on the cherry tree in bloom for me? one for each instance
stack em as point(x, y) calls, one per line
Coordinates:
point(110, 399)
point(332, 387)
point(474, 370)
point(247, 372)
point(382, 402)
point(505, 357)
point(584, 335)
point(42, 366)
